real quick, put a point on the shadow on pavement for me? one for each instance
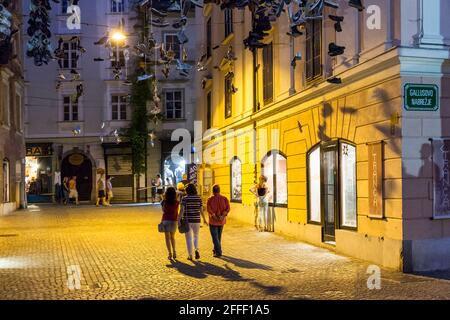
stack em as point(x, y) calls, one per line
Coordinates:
point(246, 263)
point(201, 270)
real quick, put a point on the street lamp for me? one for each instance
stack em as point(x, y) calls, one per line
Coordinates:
point(118, 36)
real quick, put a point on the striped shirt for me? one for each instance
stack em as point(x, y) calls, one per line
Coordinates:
point(192, 207)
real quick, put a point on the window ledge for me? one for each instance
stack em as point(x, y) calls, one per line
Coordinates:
point(175, 120)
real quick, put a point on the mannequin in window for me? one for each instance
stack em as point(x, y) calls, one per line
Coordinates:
point(261, 191)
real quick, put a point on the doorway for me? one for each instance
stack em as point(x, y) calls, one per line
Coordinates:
point(79, 165)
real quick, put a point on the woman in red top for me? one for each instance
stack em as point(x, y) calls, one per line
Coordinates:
point(169, 219)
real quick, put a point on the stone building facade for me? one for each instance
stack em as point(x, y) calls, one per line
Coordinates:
point(349, 165)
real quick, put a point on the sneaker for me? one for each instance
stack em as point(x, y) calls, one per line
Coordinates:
point(190, 259)
point(197, 255)
point(174, 255)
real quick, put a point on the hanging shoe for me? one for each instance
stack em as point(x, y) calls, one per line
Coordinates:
point(335, 80)
point(335, 50)
point(356, 4)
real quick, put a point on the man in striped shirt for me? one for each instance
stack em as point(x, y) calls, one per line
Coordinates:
point(191, 209)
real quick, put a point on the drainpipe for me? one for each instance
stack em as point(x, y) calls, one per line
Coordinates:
point(417, 38)
point(292, 69)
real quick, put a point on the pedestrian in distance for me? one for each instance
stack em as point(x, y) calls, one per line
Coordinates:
point(109, 190)
point(218, 208)
point(73, 192)
point(255, 203)
point(65, 188)
point(169, 220)
point(159, 187)
point(261, 190)
point(181, 193)
point(101, 194)
point(191, 209)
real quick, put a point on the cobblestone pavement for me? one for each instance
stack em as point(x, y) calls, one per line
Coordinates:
point(122, 256)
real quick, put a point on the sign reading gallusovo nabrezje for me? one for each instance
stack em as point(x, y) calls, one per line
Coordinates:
point(421, 97)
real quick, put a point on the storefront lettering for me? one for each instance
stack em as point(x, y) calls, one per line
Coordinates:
point(375, 181)
point(445, 178)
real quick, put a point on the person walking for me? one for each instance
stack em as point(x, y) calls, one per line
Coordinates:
point(191, 209)
point(101, 195)
point(180, 191)
point(218, 208)
point(73, 192)
point(253, 190)
point(109, 190)
point(65, 188)
point(159, 187)
point(261, 190)
point(169, 220)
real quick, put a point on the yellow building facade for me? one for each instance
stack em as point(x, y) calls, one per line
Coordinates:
point(314, 139)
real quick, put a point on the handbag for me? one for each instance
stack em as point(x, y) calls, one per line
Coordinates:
point(161, 228)
point(183, 226)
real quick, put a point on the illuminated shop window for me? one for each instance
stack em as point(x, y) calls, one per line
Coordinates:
point(314, 185)
point(274, 169)
point(236, 180)
point(332, 186)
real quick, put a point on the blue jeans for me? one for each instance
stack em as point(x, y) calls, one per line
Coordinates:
point(216, 234)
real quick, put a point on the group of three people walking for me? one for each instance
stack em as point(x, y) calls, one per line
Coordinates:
point(187, 204)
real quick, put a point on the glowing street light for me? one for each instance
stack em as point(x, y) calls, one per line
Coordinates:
point(118, 36)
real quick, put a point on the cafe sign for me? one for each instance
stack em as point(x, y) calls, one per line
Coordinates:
point(421, 97)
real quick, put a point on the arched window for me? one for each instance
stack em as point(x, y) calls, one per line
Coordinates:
point(274, 168)
point(236, 179)
point(6, 177)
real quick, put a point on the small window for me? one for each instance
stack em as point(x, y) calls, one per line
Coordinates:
point(70, 109)
point(228, 96)
point(119, 107)
point(209, 110)
point(228, 22)
point(274, 168)
point(268, 73)
point(171, 43)
point(70, 59)
point(64, 6)
point(174, 104)
point(236, 180)
point(208, 38)
point(117, 6)
point(313, 49)
point(118, 62)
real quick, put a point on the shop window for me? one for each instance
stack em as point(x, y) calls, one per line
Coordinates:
point(6, 178)
point(119, 107)
point(268, 73)
point(274, 168)
point(314, 186)
point(313, 49)
point(348, 185)
point(236, 180)
point(332, 187)
point(174, 169)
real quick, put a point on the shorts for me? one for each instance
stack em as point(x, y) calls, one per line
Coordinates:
point(101, 193)
point(170, 226)
point(160, 191)
point(73, 194)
